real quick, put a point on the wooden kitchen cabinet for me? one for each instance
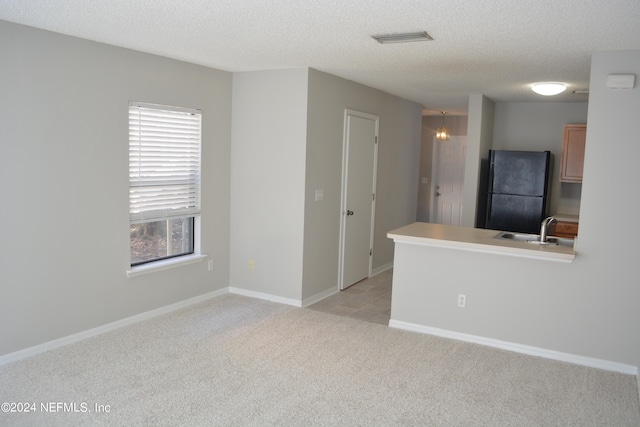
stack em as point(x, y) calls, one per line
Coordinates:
point(566, 229)
point(573, 143)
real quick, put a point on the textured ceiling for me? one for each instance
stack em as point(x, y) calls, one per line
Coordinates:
point(494, 47)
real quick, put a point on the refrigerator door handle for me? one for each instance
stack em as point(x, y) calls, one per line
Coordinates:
point(490, 183)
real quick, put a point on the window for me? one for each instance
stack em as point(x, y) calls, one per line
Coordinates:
point(164, 181)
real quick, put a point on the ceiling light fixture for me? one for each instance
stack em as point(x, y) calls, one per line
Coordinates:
point(421, 36)
point(548, 88)
point(442, 134)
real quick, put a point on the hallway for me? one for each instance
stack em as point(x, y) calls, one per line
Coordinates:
point(369, 299)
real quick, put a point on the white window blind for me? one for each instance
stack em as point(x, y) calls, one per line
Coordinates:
point(164, 162)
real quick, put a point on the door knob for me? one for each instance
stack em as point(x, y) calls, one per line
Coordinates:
point(437, 194)
point(349, 213)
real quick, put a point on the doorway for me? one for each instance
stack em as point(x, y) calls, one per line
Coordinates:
point(448, 180)
point(357, 213)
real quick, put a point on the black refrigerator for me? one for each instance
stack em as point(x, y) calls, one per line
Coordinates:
point(517, 190)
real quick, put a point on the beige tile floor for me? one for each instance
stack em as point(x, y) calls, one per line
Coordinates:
point(369, 299)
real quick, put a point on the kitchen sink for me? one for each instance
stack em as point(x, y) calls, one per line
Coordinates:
point(534, 239)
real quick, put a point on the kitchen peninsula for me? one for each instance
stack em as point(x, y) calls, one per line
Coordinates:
point(477, 240)
point(463, 283)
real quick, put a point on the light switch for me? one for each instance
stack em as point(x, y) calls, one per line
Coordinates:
point(319, 195)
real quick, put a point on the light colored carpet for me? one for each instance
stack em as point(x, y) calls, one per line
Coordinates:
point(240, 361)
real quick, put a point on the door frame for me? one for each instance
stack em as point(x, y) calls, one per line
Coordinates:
point(343, 197)
point(435, 170)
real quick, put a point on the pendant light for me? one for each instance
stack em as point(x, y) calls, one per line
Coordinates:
point(442, 134)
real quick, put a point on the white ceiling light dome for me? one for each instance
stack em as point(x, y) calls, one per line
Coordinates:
point(549, 88)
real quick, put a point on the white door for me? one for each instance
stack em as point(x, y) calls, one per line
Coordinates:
point(359, 157)
point(448, 180)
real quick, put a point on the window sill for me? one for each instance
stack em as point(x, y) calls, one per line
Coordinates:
point(164, 265)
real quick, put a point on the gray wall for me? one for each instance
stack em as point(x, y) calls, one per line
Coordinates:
point(398, 161)
point(268, 181)
point(588, 307)
point(64, 169)
point(479, 141)
point(609, 195)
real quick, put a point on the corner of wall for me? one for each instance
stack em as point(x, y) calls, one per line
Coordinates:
point(479, 140)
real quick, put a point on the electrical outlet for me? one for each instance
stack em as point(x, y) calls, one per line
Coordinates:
point(210, 264)
point(462, 300)
point(250, 264)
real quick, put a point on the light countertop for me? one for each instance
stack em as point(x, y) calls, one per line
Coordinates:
point(478, 240)
point(566, 217)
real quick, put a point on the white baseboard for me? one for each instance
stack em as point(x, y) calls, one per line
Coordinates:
point(519, 348)
point(70, 339)
point(266, 297)
point(382, 268)
point(320, 296)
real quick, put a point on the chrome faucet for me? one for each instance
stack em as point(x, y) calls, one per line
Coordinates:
point(545, 227)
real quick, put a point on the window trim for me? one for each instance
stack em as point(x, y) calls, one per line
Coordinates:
point(164, 264)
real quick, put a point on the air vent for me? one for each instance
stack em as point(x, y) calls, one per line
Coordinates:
point(422, 36)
